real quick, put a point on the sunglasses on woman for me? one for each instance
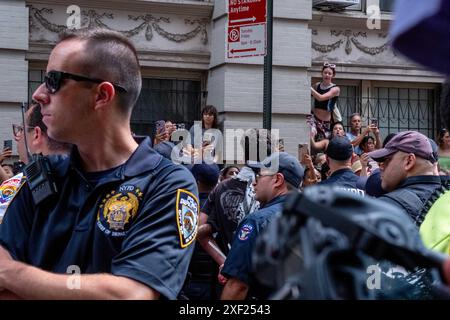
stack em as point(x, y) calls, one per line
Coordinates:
point(53, 80)
point(329, 65)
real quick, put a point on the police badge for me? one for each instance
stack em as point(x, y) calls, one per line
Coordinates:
point(187, 216)
point(118, 209)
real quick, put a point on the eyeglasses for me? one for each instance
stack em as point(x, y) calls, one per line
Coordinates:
point(18, 129)
point(259, 175)
point(329, 65)
point(385, 161)
point(53, 80)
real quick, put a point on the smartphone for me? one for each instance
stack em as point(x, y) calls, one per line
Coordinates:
point(281, 145)
point(374, 122)
point(302, 150)
point(207, 139)
point(160, 126)
point(7, 144)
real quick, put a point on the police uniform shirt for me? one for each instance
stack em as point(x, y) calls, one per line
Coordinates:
point(345, 179)
point(138, 221)
point(239, 261)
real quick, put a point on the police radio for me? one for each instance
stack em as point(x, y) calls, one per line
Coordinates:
point(40, 179)
point(38, 172)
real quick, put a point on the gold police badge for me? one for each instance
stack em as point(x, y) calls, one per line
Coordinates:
point(118, 209)
point(187, 216)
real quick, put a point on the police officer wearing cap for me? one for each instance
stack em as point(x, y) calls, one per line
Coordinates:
point(408, 172)
point(276, 176)
point(339, 155)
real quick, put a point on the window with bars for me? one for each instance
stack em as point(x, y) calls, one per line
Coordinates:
point(160, 99)
point(397, 109)
point(166, 99)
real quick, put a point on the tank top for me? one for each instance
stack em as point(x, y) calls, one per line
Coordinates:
point(327, 105)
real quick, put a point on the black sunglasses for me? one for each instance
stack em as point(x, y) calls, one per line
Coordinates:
point(53, 80)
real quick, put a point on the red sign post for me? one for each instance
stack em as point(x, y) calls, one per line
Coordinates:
point(246, 28)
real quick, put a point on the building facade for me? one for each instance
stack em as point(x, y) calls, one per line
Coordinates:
point(182, 51)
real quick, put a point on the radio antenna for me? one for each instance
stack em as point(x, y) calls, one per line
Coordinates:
point(24, 105)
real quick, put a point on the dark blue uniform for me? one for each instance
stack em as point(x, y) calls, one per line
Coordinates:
point(239, 261)
point(345, 179)
point(137, 220)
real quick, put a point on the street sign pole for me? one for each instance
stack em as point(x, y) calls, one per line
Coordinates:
point(267, 107)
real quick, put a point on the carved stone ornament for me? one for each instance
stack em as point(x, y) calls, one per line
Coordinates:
point(350, 38)
point(91, 19)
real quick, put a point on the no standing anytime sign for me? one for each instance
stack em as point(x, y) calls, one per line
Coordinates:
point(246, 28)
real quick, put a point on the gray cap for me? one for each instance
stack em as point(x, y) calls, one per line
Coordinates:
point(284, 163)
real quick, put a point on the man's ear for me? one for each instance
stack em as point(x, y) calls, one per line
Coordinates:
point(37, 138)
point(410, 161)
point(105, 94)
point(279, 179)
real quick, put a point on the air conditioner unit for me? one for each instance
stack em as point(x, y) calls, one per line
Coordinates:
point(334, 4)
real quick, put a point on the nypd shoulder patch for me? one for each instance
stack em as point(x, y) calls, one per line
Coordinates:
point(245, 231)
point(188, 212)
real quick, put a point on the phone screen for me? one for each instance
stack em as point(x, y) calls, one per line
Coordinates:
point(7, 144)
point(207, 139)
point(374, 122)
point(160, 126)
point(302, 150)
point(281, 144)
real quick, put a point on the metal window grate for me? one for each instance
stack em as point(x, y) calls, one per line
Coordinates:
point(397, 109)
point(166, 99)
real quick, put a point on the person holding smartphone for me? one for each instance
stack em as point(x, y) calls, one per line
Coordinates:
point(356, 136)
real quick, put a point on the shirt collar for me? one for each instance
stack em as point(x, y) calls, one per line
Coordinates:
point(276, 200)
point(144, 158)
point(420, 179)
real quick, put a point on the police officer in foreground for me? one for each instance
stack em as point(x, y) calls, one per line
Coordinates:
point(122, 215)
point(276, 176)
point(339, 157)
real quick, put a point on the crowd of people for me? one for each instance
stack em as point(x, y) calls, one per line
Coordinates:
point(134, 225)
